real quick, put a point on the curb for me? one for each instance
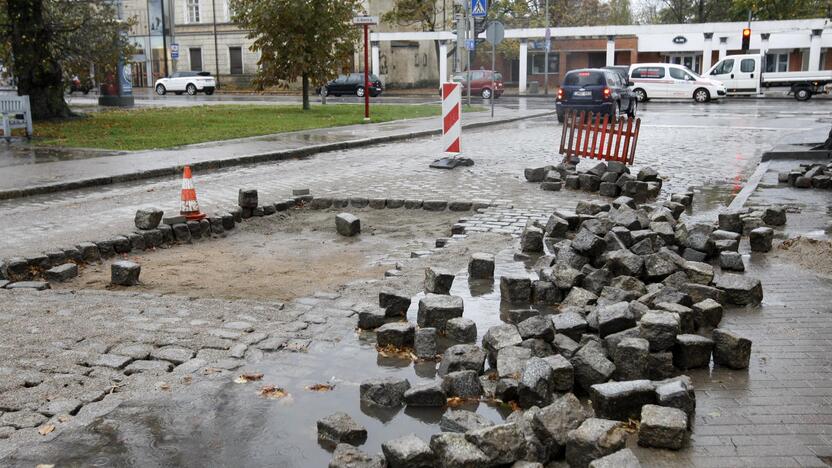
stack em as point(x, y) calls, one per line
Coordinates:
point(245, 159)
point(750, 186)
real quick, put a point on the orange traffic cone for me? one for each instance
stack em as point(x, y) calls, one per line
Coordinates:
point(190, 207)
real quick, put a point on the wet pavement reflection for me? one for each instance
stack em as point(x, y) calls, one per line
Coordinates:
point(240, 428)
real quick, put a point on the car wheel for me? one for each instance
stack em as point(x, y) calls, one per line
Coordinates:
point(486, 93)
point(160, 90)
point(191, 90)
point(324, 92)
point(359, 91)
point(641, 95)
point(701, 95)
point(560, 118)
point(802, 94)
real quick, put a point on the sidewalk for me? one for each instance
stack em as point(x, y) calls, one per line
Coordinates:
point(28, 170)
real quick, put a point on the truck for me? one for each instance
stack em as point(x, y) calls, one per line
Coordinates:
point(745, 75)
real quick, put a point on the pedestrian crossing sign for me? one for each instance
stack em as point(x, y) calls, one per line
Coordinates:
point(479, 8)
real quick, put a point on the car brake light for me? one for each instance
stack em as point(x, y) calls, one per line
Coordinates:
point(560, 93)
point(583, 74)
point(607, 93)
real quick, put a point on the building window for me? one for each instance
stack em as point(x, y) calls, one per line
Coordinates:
point(229, 11)
point(193, 10)
point(235, 56)
point(537, 64)
point(777, 62)
point(195, 54)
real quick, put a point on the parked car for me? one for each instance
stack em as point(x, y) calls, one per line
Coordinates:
point(75, 84)
point(595, 90)
point(352, 83)
point(190, 82)
point(668, 80)
point(481, 83)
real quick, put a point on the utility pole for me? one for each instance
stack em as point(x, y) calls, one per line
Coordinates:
point(546, 54)
point(469, 18)
point(461, 25)
point(216, 47)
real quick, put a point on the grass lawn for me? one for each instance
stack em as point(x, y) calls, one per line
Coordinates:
point(149, 128)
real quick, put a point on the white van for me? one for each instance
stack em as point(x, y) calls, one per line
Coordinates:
point(668, 80)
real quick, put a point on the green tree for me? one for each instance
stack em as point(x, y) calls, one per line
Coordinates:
point(308, 39)
point(43, 41)
point(765, 10)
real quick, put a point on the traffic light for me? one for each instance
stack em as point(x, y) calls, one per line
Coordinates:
point(746, 39)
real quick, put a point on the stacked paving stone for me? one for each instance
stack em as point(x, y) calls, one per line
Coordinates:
point(808, 176)
point(610, 179)
point(625, 300)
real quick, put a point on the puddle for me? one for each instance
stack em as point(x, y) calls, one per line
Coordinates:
point(20, 153)
point(238, 427)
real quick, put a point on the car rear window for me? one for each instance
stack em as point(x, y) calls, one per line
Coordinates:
point(648, 72)
point(584, 79)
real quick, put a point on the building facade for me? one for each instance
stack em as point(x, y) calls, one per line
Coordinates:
point(199, 35)
point(208, 40)
point(793, 45)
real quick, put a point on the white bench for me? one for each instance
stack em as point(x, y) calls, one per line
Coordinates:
point(16, 113)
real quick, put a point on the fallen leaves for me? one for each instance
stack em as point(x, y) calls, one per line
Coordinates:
point(394, 352)
point(272, 392)
point(632, 426)
point(46, 429)
point(246, 378)
point(456, 402)
point(164, 386)
point(320, 387)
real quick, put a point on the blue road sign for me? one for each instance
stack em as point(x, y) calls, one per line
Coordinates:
point(174, 51)
point(479, 8)
point(470, 44)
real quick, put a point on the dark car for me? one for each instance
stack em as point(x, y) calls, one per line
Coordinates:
point(352, 83)
point(481, 83)
point(595, 90)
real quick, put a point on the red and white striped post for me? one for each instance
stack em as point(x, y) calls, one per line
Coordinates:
point(451, 118)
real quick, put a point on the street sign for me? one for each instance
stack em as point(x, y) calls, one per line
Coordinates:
point(495, 32)
point(369, 20)
point(479, 8)
point(470, 44)
point(174, 51)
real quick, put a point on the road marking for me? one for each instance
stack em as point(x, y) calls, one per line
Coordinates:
point(715, 126)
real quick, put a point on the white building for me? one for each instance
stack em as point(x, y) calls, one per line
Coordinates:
point(794, 45)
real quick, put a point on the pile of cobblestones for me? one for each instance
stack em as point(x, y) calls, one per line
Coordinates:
point(625, 300)
point(808, 176)
point(610, 179)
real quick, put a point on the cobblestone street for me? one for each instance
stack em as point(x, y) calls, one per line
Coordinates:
point(151, 368)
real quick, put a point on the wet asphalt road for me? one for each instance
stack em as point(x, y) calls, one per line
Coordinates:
point(715, 145)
